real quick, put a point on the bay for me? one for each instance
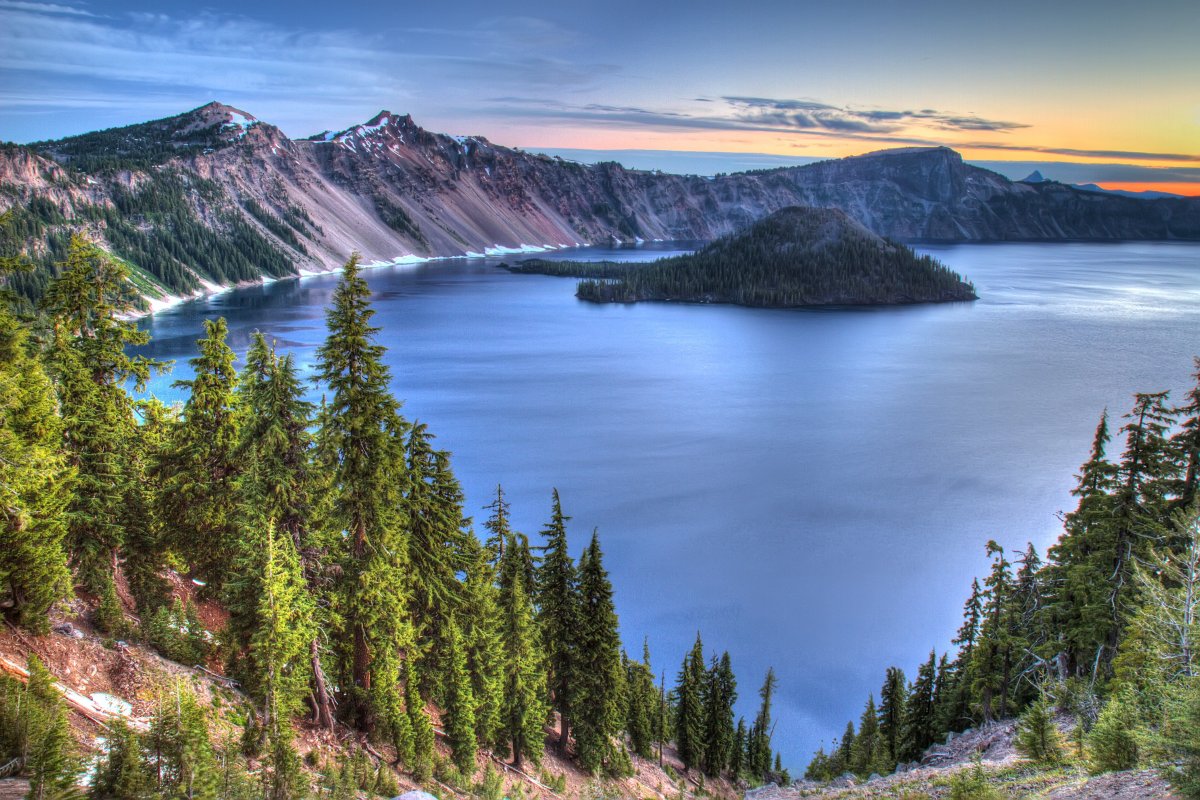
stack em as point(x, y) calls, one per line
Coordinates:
point(811, 490)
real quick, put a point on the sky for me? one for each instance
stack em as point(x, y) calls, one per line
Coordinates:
point(1110, 84)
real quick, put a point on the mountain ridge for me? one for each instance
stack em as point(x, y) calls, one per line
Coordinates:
point(393, 190)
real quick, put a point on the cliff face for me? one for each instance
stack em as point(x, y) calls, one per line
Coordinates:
point(390, 189)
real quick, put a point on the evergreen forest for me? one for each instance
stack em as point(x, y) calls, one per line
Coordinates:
point(359, 596)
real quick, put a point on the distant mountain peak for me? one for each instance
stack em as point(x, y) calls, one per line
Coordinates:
point(938, 151)
point(1034, 177)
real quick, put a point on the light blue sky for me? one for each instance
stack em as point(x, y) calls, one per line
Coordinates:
point(1102, 80)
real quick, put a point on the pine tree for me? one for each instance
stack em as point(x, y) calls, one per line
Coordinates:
point(460, 703)
point(719, 698)
point(1187, 443)
point(1032, 629)
point(959, 685)
point(992, 658)
point(844, 757)
point(1078, 602)
point(689, 707)
point(199, 470)
point(180, 748)
point(36, 480)
point(920, 719)
point(278, 649)
point(598, 697)
point(760, 734)
point(482, 640)
point(88, 360)
point(558, 616)
point(45, 738)
point(421, 724)
point(1037, 736)
point(523, 708)
point(737, 755)
point(1181, 740)
point(359, 444)
point(1112, 744)
point(123, 774)
point(437, 546)
point(642, 703)
point(893, 703)
point(868, 744)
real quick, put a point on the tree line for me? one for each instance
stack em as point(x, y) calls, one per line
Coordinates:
point(335, 536)
point(1105, 630)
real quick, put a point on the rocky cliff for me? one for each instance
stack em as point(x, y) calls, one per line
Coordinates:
point(172, 196)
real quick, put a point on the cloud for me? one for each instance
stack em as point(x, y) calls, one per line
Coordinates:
point(54, 59)
point(811, 114)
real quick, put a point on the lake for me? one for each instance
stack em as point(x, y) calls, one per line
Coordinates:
point(811, 490)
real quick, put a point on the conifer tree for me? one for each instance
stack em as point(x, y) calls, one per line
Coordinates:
point(992, 658)
point(961, 675)
point(598, 698)
point(737, 755)
point(1078, 603)
point(558, 616)
point(523, 708)
point(182, 753)
point(642, 703)
point(460, 703)
point(36, 481)
point(420, 723)
point(1181, 740)
point(1032, 629)
point(45, 738)
point(845, 751)
point(89, 334)
point(1187, 443)
point(868, 744)
point(1037, 735)
point(719, 697)
point(759, 751)
point(484, 647)
point(199, 470)
point(145, 537)
point(278, 649)
point(360, 447)
point(1112, 744)
point(893, 704)
point(689, 707)
point(920, 719)
point(123, 773)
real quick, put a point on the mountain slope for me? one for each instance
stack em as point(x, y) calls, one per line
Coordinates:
point(164, 194)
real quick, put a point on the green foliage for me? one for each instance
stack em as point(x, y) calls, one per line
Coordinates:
point(893, 705)
point(1037, 737)
point(1181, 739)
point(176, 632)
point(422, 726)
point(1112, 744)
point(973, 784)
point(34, 727)
point(123, 773)
point(481, 623)
point(491, 786)
point(559, 616)
point(599, 684)
point(523, 708)
point(689, 707)
point(719, 696)
point(758, 751)
point(459, 718)
point(37, 482)
point(179, 738)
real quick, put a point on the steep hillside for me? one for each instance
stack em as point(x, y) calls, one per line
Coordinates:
point(165, 195)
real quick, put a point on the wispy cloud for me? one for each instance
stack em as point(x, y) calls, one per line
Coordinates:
point(811, 114)
point(55, 58)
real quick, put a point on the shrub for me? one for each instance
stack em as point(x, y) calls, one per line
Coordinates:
point(1112, 745)
point(1038, 738)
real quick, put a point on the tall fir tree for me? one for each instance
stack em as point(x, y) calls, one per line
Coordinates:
point(920, 719)
point(760, 734)
point(185, 761)
point(87, 307)
point(868, 743)
point(198, 473)
point(360, 445)
point(598, 690)
point(719, 698)
point(992, 661)
point(481, 629)
point(460, 703)
point(558, 616)
point(893, 705)
point(1187, 443)
point(523, 708)
point(37, 483)
point(642, 703)
point(689, 707)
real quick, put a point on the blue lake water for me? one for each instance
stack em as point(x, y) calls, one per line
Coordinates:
point(811, 490)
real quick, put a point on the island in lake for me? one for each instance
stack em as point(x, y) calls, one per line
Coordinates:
point(796, 257)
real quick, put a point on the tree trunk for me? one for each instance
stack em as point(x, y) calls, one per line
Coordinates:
point(564, 736)
point(322, 701)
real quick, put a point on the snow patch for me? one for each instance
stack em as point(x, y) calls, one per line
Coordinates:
point(501, 250)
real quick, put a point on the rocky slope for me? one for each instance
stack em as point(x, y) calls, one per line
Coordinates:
point(163, 193)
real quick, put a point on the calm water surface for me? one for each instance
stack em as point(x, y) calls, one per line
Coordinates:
point(810, 489)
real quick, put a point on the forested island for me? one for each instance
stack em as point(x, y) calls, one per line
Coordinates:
point(796, 257)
